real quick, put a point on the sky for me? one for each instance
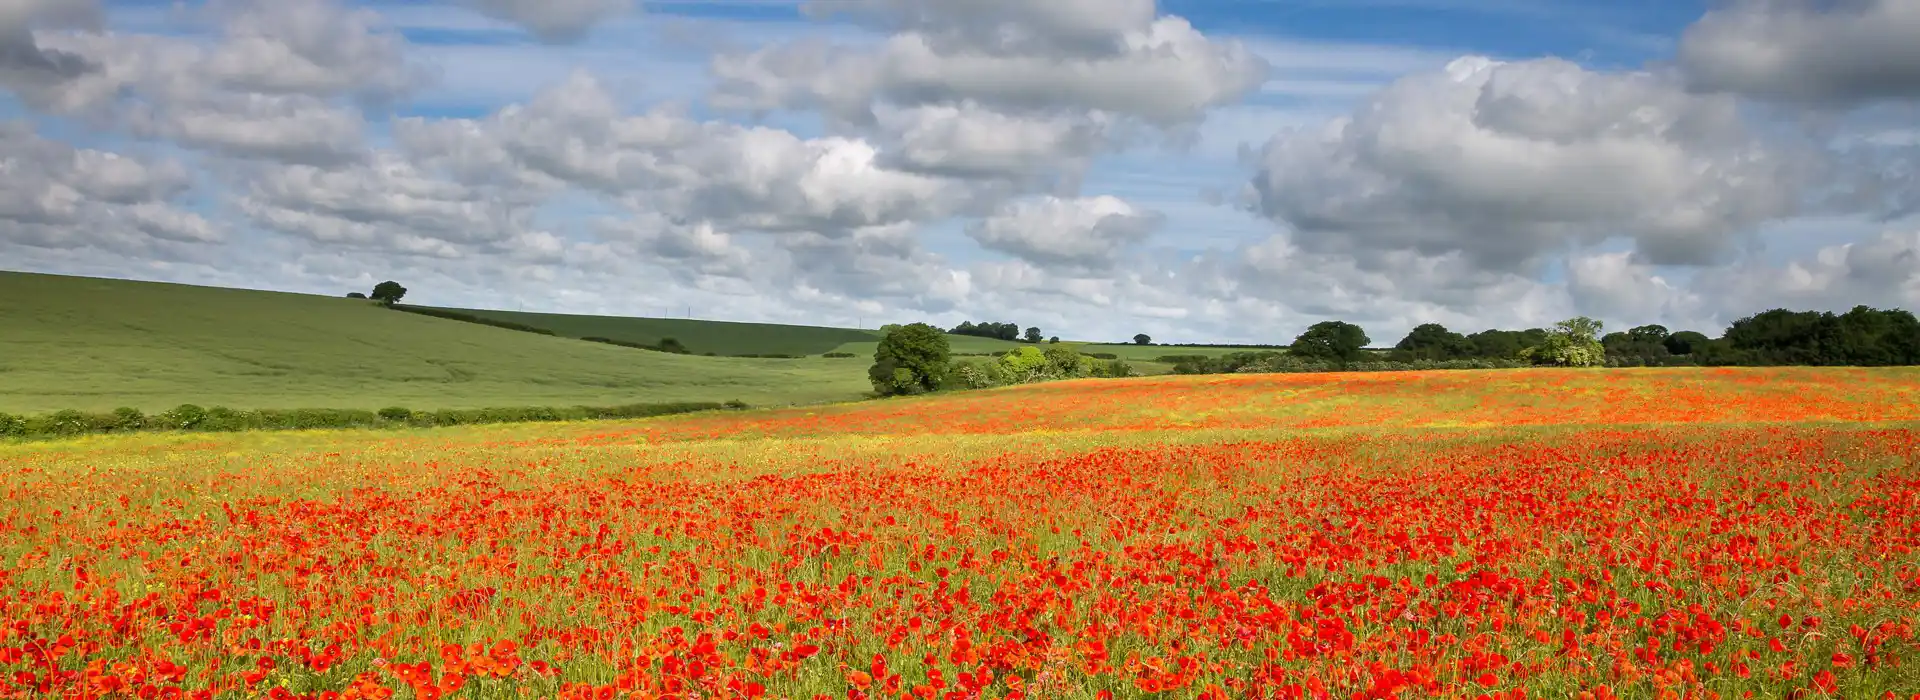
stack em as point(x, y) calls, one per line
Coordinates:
point(1197, 170)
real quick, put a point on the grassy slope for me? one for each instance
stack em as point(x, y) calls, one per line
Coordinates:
point(95, 344)
point(723, 337)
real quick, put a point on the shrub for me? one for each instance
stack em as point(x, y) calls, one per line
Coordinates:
point(128, 418)
point(12, 425)
point(186, 416)
point(909, 360)
point(396, 413)
point(839, 355)
point(1102, 355)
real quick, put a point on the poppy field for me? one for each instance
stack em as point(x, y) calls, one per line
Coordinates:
point(1682, 533)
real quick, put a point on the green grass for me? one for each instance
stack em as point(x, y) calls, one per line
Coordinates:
point(97, 344)
point(721, 337)
point(961, 344)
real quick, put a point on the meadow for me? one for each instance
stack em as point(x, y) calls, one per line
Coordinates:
point(1515, 534)
point(97, 344)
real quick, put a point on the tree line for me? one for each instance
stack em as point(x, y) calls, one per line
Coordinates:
point(1862, 337)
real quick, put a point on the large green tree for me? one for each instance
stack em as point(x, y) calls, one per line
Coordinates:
point(1338, 341)
point(389, 292)
point(1432, 341)
point(911, 359)
point(1571, 343)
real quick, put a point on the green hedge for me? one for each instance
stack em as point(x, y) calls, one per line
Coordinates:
point(189, 417)
point(470, 318)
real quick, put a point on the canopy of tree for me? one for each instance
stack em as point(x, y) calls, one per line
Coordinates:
point(1002, 331)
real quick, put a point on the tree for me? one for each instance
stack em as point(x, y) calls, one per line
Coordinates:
point(1033, 334)
point(1142, 339)
point(1505, 345)
point(671, 345)
point(1686, 342)
point(1067, 363)
point(1432, 341)
point(1338, 341)
point(1571, 343)
point(356, 295)
point(1055, 340)
point(388, 292)
point(910, 360)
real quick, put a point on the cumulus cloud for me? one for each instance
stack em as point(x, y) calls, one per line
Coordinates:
point(1807, 51)
point(384, 204)
point(1086, 232)
point(738, 177)
point(25, 65)
point(1507, 162)
point(55, 196)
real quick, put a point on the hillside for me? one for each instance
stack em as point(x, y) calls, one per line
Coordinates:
point(699, 336)
point(96, 344)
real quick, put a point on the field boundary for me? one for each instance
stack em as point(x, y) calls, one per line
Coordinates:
point(220, 419)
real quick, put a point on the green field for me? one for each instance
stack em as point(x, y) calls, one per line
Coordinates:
point(700, 337)
point(97, 344)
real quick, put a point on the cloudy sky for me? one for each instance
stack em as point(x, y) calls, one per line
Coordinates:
point(1200, 170)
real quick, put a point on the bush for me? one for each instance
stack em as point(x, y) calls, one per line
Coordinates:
point(470, 318)
point(839, 355)
point(128, 419)
point(186, 416)
point(1103, 356)
point(396, 413)
point(12, 425)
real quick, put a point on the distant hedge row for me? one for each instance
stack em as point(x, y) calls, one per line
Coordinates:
point(470, 318)
point(189, 417)
point(1276, 362)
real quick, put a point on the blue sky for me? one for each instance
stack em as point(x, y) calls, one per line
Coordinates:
point(1361, 174)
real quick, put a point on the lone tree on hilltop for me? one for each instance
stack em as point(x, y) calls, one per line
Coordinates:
point(388, 292)
point(1330, 340)
point(1142, 339)
point(911, 359)
point(1033, 334)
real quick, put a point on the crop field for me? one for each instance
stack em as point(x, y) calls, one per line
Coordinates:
point(1507, 534)
point(98, 344)
point(699, 336)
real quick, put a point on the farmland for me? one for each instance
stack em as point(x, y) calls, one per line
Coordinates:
point(1530, 533)
point(97, 344)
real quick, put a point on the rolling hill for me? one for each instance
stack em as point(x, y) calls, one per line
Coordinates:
point(97, 344)
point(699, 336)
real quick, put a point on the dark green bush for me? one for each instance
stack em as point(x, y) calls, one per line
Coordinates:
point(128, 419)
point(186, 416)
point(1103, 356)
point(220, 418)
point(839, 355)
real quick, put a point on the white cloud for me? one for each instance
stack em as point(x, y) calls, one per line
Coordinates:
point(1087, 232)
point(55, 196)
point(1507, 162)
point(554, 20)
point(1822, 52)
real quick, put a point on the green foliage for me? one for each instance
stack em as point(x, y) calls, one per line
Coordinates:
point(910, 360)
point(469, 318)
point(998, 331)
point(1642, 346)
point(1686, 342)
point(1274, 362)
point(356, 295)
point(1505, 345)
point(1861, 337)
point(1432, 341)
point(71, 423)
point(389, 292)
point(1142, 339)
point(1336, 341)
point(1571, 343)
point(1033, 334)
point(1023, 365)
point(839, 355)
